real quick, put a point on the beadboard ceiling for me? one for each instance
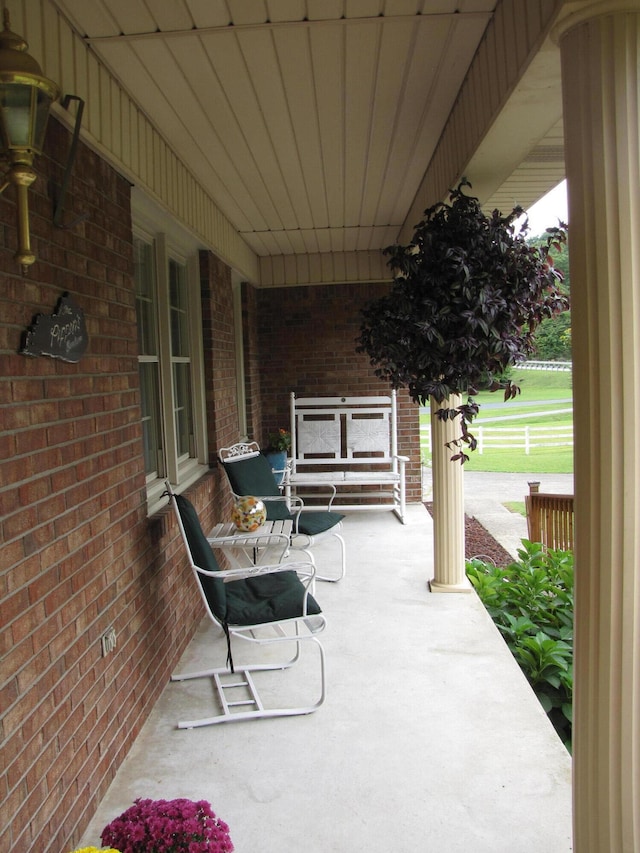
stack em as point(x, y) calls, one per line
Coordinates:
point(309, 122)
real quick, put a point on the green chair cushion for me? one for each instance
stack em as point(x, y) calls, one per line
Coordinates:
point(317, 521)
point(214, 590)
point(267, 598)
point(253, 476)
point(254, 601)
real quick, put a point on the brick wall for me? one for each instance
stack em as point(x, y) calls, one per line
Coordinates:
point(77, 551)
point(306, 342)
point(218, 334)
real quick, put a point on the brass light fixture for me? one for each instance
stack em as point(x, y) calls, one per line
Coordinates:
point(25, 99)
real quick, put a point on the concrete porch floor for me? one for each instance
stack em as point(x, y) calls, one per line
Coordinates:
point(430, 738)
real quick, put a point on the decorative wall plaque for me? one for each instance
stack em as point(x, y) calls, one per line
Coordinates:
point(62, 334)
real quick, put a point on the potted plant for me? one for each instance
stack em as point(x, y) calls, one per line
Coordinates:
point(277, 450)
point(168, 826)
point(468, 294)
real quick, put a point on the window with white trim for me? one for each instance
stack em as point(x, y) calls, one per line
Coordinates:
point(148, 358)
point(170, 362)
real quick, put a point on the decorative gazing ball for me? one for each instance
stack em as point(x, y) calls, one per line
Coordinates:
point(248, 514)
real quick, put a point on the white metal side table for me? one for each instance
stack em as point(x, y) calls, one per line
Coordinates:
point(242, 549)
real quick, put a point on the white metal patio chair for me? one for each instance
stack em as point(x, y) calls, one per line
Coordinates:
point(249, 473)
point(243, 602)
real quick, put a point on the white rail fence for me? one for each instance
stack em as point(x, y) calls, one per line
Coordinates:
point(526, 438)
point(562, 366)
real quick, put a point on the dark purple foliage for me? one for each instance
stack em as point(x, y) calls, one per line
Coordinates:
point(468, 294)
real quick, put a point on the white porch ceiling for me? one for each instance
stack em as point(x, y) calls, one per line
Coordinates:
point(309, 122)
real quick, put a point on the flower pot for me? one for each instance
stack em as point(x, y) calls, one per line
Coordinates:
point(278, 461)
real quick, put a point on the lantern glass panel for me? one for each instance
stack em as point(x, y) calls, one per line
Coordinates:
point(15, 103)
point(43, 105)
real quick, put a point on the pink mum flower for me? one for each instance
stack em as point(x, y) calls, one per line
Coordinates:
point(168, 826)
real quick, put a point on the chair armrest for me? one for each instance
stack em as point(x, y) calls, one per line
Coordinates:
point(302, 569)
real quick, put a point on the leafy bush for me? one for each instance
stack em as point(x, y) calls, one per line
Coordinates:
point(531, 603)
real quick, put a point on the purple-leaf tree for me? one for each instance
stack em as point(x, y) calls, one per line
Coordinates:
point(467, 296)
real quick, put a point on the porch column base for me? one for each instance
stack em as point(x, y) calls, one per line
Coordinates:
point(439, 586)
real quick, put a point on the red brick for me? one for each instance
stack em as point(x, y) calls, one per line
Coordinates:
point(34, 491)
point(57, 597)
point(27, 621)
point(29, 441)
point(61, 480)
point(11, 553)
point(43, 584)
point(38, 538)
point(54, 552)
point(16, 417)
point(43, 412)
point(18, 657)
point(36, 670)
point(9, 808)
point(50, 508)
point(27, 390)
point(19, 523)
point(8, 695)
point(61, 433)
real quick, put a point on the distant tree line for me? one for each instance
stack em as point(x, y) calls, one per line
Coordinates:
point(553, 335)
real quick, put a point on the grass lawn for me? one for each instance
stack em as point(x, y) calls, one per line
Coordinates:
point(555, 460)
point(535, 385)
point(548, 388)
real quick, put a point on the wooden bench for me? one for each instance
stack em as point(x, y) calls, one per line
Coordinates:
point(340, 443)
point(550, 518)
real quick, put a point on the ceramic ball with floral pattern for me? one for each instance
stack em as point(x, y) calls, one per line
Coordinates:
point(248, 513)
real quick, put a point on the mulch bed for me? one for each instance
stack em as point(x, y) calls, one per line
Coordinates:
point(478, 542)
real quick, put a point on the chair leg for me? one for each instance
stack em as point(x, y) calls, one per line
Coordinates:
point(343, 560)
point(227, 683)
point(343, 556)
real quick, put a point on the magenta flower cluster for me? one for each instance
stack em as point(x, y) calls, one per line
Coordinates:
point(168, 826)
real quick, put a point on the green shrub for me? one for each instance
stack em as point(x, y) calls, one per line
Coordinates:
point(531, 603)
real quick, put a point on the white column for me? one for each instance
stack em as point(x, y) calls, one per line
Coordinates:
point(448, 504)
point(600, 48)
